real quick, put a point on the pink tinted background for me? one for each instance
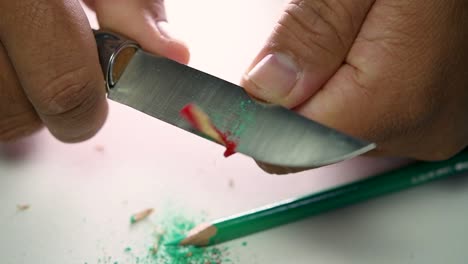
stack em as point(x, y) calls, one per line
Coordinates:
point(81, 195)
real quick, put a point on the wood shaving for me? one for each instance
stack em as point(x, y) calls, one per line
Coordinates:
point(99, 148)
point(23, 207)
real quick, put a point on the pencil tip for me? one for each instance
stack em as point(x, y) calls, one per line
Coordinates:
point(198, 236)
point(175, 242)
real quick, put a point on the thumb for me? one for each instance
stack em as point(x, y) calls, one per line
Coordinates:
point(143, 21)
point(307, 46)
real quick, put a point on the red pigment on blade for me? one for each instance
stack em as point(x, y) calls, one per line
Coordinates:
point(189, 112)
point(229, 144)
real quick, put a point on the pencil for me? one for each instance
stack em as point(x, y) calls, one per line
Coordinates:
point(291, 210)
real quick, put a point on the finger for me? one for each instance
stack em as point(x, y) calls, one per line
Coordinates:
point(387, 89)
point(53, 51)
point(89, 3)
point(307, 46)
point(17, 116)
point(145, 22)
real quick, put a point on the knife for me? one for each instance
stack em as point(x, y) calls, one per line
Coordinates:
point(271, 134)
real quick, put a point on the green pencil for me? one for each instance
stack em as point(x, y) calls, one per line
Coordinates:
point(295, 209)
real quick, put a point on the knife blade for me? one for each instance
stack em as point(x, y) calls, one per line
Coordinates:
point(271, 134)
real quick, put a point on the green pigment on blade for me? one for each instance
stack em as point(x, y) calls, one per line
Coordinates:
point(246, 118)
point(242, 118)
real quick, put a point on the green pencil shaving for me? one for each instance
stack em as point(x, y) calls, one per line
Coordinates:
point(292, 210)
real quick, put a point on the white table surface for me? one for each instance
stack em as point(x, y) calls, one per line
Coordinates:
point(82, 195)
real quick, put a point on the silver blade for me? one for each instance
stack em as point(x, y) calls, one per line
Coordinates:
point(271, 134)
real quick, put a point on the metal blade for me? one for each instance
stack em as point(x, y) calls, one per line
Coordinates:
point(271, 134)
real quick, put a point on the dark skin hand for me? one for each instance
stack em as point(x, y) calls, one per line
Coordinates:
point(390, 71)
point(50, 74)
point(50, 71)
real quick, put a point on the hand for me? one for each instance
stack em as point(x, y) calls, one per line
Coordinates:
point(144, 21)
point(49, 68)
point(393, 72)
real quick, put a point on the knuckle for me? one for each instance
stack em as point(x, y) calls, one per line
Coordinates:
point(317, 24)
point(18, 125)
point(70, 93)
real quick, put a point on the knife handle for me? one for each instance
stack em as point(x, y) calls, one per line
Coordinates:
point(115, 53)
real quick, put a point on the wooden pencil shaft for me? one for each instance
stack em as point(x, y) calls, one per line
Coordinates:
point(296, 209)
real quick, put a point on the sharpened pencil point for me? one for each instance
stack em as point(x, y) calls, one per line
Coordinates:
point(199, 236)
point(175, 242)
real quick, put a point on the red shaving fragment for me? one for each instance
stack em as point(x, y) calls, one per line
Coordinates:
point(200, 121)
point(188, 112)
point(229, 144)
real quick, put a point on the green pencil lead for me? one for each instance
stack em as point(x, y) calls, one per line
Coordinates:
point(175, 242)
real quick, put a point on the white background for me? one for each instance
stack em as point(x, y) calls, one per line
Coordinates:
point(82, 195)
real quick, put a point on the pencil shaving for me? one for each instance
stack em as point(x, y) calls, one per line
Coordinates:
point(154, 249)
point(99, 148)
point(141, 215)
point(23, 207)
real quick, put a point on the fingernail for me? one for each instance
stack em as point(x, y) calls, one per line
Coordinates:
point(274, 76)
